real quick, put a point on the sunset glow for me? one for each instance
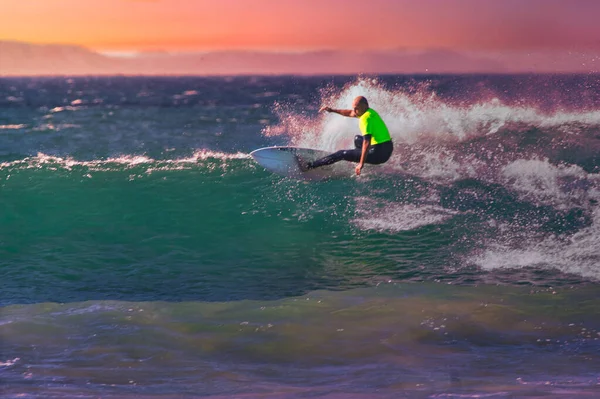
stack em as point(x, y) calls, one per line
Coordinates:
point(285, 25)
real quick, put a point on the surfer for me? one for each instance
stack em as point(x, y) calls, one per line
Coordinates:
point(373, 147)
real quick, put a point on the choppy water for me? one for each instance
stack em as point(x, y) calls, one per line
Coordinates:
point(144, 254)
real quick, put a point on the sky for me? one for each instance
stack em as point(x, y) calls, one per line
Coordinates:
point(113, 26)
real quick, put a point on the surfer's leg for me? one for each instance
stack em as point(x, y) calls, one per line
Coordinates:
point(342, 155)
point(376, 155)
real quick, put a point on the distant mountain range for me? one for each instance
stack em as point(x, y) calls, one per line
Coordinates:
point(24, 59)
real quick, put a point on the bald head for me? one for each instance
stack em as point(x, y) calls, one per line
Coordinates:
point(360, 105)
point(361, 100)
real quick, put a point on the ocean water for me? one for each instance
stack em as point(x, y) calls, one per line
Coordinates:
point(143, 254)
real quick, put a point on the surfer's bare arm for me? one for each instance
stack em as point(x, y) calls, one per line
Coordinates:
point(343, 112)
point(363, 155)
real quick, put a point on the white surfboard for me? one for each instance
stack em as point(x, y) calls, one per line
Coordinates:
point(284, 161)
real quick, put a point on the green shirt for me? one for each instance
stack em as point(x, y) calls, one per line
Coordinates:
point(370, 123)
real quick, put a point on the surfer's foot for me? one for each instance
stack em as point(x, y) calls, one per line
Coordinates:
point(303, 164)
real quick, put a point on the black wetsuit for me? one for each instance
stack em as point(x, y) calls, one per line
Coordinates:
point(376, 154)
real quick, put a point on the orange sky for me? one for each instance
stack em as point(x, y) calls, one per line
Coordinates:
point(292, 25)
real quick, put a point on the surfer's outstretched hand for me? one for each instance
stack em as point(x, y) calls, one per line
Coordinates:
point(325, 109)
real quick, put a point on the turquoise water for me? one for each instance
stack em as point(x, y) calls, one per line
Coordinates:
point(145, 254)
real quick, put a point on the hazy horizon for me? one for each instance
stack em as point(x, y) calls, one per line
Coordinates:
point(26, 59)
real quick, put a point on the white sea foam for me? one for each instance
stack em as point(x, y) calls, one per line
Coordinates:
point(55, 127)
point(85, 309)
point(12, 127)
point(562, 186)
point(390, 217)
point(73, 107)
point(577, 254)
point(126, 161)
point(416, 117)
point(9, 363)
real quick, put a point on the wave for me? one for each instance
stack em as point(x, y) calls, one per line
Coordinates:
point(447, 141)
point(511, 185)
point(419, 116)
point(122, 162)
point(530, 176)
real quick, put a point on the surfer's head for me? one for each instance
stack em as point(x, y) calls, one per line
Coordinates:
point(360, 105)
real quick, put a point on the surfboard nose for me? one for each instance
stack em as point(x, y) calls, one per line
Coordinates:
point(287, 162)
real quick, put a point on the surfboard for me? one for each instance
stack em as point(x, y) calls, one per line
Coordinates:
point(284, 162)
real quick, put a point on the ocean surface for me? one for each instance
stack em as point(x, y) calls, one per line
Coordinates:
point(144, 254)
